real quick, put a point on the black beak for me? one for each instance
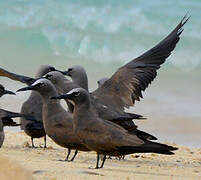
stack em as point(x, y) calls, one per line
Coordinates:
point(26, 88)
point(9, 92)
point(64, 96)
point(62, 72)
point(66, 73)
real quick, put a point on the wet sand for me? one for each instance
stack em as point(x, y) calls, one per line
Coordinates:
point(45, 164)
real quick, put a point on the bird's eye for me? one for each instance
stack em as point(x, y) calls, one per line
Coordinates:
point(76, 93)
point(2, 89)
point(48, 76)
point(52, 69)
point(40, 84)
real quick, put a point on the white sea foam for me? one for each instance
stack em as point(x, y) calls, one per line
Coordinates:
point(105, 31)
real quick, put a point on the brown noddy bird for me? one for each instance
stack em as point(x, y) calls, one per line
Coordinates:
point(132, 127)
point(63, 85)
point(125, 86)
point(57, 121)
point(33, 105)
point(105, 137)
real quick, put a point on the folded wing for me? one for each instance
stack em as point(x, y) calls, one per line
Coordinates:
point(16, 77)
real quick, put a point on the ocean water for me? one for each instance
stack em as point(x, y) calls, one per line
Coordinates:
point(102, 36)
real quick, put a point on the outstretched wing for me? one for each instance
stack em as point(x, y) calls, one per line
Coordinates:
point(16, 77)
point(127, 83)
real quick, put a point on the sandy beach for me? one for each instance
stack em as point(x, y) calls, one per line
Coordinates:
point(44, 164)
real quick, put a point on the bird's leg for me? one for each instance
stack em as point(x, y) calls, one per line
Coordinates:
point(69, 151)
point(45, 145)
point(97, 162)
point(104, 158)
point(76, 151)
point(109, 157)
point(120, 157)
point(32, 143)
point(123, 157)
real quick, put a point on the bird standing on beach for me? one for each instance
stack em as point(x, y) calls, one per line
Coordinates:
point(105, 137)
point(63, 85)
point(126, 85)
point(57, 121)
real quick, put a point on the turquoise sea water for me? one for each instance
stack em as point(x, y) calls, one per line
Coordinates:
point(102, 35)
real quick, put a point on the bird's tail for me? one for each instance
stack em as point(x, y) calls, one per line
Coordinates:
point(127, 117)
point(148, 147)
point(143, 135)
point(135, 116)
point(132, 129)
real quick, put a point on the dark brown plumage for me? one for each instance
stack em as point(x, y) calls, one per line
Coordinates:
point(33, 105)
point(63, 85)
point(129, 125)
point(127, 83)
point(105, 137)
point(6, 119)
point(57, 121)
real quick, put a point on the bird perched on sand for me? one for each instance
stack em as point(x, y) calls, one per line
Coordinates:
point(105, 137)
point(57, 121)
